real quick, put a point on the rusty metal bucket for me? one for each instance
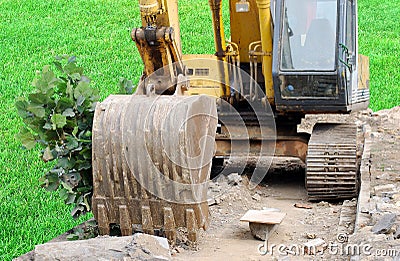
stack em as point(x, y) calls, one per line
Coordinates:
point(151, 163)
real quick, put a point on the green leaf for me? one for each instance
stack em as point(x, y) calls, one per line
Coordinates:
point(125, 86)
point(72, 143)
point(75, 131)
point(62, 87)
point(86, 153)
point(79, 101)
point(75, 76)
point(83, 89)
point(86, 202)
point(59, 121)
point(70, 90)
point(38, 98)
point(58, 65)
point(63, 194)
point(50, 181)
point(70, 199)
point(21, 104)
point(72, 59)
point(69, 112)
point(71, 68)
point(47, 126)
point(64, 103)
point(66, 163)
point(71, 180)
point(77, 211)
point(27, 138)
point(73, 237)
point(37, 110)
point(84, 165)
point(91, 223)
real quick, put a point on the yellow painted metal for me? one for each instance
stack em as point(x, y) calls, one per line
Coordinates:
point(264, 10)
point(220, 44)
point(245, 28)
point(219, 35)
point(206, 90)
point(204, 71)
point(162, 13)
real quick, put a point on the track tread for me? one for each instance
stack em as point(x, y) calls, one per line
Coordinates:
point(332, 168)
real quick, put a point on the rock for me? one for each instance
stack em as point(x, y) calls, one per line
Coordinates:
point(271, 209)
point(155, 248)
point(379, 238)
point(256, 197)
point(298, 205)
point(388, 208)
point(136, 247)
point(384, 188)
point(383, 176)
point(384, 224)
point(234, 179)
point(311, 235)
point(397, 233)
point(261, 231)
point(323, 204)
point(211, 202)
point(388, 194)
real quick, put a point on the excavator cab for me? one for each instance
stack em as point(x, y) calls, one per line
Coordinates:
point(316, 61)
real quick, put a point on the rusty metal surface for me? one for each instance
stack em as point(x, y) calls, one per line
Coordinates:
point(151, 163)
point(332, 165)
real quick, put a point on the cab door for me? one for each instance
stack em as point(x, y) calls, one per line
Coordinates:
point(348, 48)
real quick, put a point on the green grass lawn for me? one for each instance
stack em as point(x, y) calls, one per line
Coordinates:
point(98, 33)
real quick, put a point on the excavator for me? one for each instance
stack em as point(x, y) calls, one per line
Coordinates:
point(236, 108)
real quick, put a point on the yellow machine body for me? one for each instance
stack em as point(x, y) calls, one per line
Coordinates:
point(268, 69)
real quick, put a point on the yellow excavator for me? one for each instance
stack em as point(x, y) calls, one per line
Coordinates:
point(153, 151)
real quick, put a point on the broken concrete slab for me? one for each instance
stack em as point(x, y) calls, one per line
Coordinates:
point(136, 247)
point(263, 216)
point(384, 224)
point(262, 231)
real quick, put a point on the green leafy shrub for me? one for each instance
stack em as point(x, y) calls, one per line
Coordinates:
point(58, 116)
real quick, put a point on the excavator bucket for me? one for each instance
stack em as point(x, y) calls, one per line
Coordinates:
point(151, 163)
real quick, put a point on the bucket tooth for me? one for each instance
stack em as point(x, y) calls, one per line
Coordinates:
point(169, 224)
point(147, 220)
point(124, 221)
point(102, 220)
point(191, 225)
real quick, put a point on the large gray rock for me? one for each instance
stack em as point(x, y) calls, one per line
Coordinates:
point(384, 224)
point(136, 247)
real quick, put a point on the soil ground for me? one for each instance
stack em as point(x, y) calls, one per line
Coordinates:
point(228, 238)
